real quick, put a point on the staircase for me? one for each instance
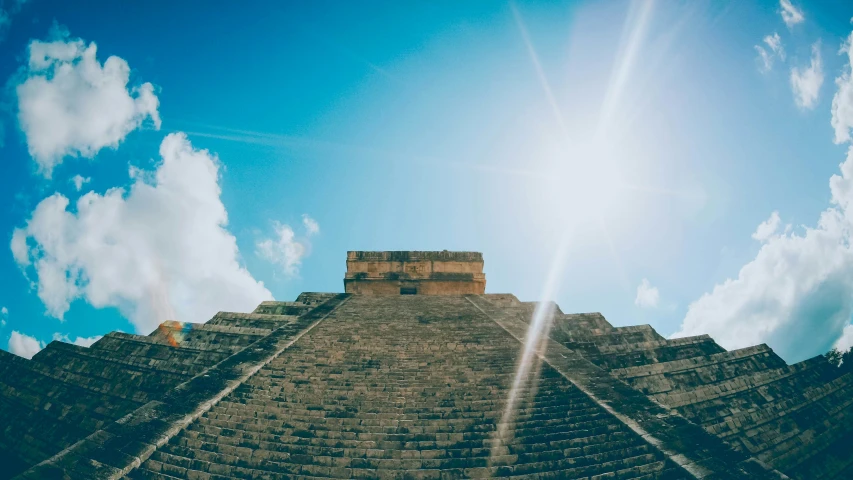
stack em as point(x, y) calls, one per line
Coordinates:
point(796, 418)
point(404, 387)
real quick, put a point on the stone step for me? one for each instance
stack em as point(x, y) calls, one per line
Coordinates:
point(294, 428)
point(251, 320)
point(789, 378)
point(816, 449)
point(425, 449)
point(504, 300)
point(340, 412)
point(207, 337)
point(620, 397)
point(38, 391)
point(147, 472)
point(645, 353)
point(314, 298)
point(595, 468)
point(43, 411)
point(57, 352)
point(628, 355)
point(696, 372)
point(219, 328)
point(675, 366)
point(123, 443)
point(351, 401)
point(616, 336)
point(845, 473)
point(451, 419)
point(153, 351)
point(31, 435)
point(123, 385)
point(120, 374)
point(581, 323)
point(283, 308)
point(200, 460)
point(783, 410)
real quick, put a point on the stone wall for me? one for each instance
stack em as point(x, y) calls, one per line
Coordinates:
point(415, 273)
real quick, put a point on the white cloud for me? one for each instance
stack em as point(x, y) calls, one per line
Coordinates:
point(24, 345)
point(806, 83)
point(846, 340)
point(647, 295)
point(283, 250)
point(311, 225)
point(791, 15)
point(80, 341)
point(765, 57)
point(796, 295)
point(768, 228)
point(158, 251)
point(4, 311)
point(774, 43)
point(69, 104)
point(19, 247)
point(842, 102)
point(78, 181)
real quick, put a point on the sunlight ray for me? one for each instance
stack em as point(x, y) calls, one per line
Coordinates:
point(290, 141)
point(635, 30)
point(293, 142)
point(540, 326)
point(657, 64)
point(540, 73)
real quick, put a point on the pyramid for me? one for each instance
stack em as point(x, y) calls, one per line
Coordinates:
point(416, 373)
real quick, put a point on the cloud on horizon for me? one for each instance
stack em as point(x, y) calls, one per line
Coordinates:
point(797, 293)
point(24, 345)
point(79, 341)
point(285, 249)
point(647, 295)
point(157, 251)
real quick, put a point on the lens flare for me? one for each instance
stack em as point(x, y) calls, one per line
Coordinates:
point(532, 352)
point(174, 332)
point(586, 168)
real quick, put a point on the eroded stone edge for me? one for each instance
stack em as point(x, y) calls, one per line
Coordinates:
point(123, 445)
point(659, 426)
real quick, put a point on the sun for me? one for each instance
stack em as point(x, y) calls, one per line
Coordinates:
point(582, 185)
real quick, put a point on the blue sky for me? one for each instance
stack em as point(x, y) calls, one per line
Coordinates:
point(235, 153)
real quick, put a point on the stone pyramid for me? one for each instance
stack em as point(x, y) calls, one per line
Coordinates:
point(416, 373)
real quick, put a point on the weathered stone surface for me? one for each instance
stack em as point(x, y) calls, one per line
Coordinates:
point(384, 385)
point(415, 273)
point(404, 385)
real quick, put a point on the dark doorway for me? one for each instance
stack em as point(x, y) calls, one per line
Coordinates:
point(408, 291)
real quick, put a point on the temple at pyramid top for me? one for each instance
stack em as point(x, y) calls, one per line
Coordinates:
point(415, 273)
